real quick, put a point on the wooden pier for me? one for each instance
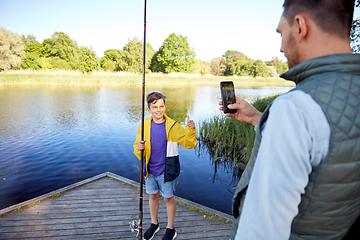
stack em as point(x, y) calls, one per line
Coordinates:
point(101, 208)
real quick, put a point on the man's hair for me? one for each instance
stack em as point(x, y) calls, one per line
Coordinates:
point(154, 97)
point(333, 16)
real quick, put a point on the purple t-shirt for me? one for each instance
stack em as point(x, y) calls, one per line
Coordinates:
point(158, 141)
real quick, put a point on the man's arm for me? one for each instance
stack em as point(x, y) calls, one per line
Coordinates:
point(295, 138)
point(245, 112)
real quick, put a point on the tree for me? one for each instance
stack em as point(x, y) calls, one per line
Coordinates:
point(131, 57)
point(279, 65)
point(88, 60)
point(109, 65)
point(237, 63)
point(246, 69)
point(175, 54)
point(61, 46)
point(154, 64)
point(28, 39)
point(272, 71)
point(259, 69)
point(218, 66)
point(34, 48)
point(58, 63)
point(355, 33)
point(110, 59)
point(241, 67)
point(199, 67)
point(233, 56)
point(32, 53)
point(11, 49)
point(234, 61)
point(30, 60)
point(282, 67)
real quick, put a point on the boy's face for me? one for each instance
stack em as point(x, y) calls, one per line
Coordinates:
point(157, 110)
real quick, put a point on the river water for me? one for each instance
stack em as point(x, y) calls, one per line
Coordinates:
point(53, 136)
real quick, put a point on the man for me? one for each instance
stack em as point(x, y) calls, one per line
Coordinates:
point(302, 180)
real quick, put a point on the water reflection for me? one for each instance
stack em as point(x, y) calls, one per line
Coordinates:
point(220, 165)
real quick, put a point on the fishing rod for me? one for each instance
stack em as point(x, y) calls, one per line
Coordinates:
point(138, 226)
point(142, 131)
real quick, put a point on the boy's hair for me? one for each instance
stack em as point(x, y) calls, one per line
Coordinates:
point(154, 97)
point(333, 16)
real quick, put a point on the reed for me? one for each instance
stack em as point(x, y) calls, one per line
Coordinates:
point(68, 77)
point(227, 139)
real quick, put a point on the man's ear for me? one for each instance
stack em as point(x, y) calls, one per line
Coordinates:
point(301, 26)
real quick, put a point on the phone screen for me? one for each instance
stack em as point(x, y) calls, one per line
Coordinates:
point(227, 95)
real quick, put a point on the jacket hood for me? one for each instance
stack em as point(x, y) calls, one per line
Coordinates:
point(342, 63)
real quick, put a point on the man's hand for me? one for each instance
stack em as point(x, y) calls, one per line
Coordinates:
point(190, 123)
point(141, 145)
point(245, 112)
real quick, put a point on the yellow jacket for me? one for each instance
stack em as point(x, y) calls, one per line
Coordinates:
point(176, 135)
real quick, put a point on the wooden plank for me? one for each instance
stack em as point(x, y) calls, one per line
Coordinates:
point(45, 196)
point(101, 208)
point(108, 222)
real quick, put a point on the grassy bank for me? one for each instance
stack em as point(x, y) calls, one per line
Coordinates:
point(62, 77)
point(229, 140)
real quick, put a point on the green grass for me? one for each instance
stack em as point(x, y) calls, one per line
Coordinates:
point(229, 140)
point(55, 195)
point(19, 209)
point(225, 137)
point(63, 77)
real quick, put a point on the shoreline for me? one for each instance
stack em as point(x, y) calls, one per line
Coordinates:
point(101, 78)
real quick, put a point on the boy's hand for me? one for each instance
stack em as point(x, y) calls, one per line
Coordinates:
point(141, 145)
point(190, 123)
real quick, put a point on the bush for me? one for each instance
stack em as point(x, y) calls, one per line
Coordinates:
point(30, 61)
point(58, 63)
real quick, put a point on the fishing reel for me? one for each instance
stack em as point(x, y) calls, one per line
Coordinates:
point(134, 226)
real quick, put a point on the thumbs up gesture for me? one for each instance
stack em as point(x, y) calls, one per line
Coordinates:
point(190, 123)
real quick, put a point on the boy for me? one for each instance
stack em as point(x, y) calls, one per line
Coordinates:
point(162, 135)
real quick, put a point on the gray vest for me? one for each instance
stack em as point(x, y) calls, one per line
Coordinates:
point(331, 202)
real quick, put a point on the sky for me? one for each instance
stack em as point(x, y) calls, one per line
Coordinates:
point(212, 27)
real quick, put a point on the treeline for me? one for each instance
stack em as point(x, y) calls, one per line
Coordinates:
point(175, 55)
point(234, 63)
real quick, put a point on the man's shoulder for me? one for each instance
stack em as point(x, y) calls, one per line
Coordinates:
point(290, 96)
point(297, 101)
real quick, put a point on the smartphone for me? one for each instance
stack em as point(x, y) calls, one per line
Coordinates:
point(227, 95)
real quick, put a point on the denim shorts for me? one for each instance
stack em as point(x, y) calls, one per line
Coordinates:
point(155, 183)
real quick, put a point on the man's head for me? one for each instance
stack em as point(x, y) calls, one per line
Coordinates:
point(156, 106)
point(332, 16)
point(314, 28)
